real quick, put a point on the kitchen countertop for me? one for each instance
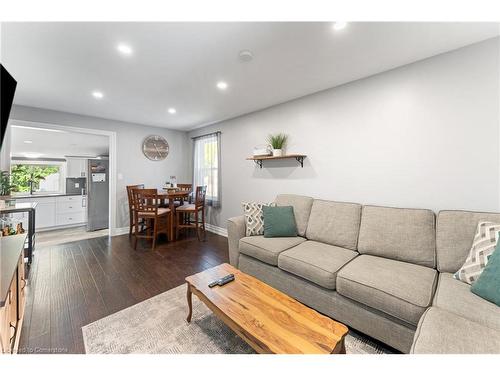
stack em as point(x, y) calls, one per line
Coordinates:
point(44, 195)
point(18, 207)
point(10, 251)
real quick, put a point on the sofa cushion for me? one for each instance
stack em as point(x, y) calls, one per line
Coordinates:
point(400, 289)
point(316, 262)
point(267, 249)
point(442, 332)
point(335, 223)
point(254, 217)
point(456, 297)
point(488, 284)
point(398, 233)
point(454, 235)
point(279, 222)
point(483, 246)
point(301, 209)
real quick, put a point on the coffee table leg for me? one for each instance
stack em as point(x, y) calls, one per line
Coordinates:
point(339, 348)
point(342, 347)
point(190, 303)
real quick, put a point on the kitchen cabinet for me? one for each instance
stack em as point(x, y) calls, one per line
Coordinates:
point(12, 291)
point(58, 211)
point(76, 167)
point(45, 214)
point(71, 210)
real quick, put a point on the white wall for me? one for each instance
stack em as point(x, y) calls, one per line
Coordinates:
point(131, 163)
point(422, 135)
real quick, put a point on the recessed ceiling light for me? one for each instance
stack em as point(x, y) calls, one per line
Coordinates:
point(97, 94)
point(172, 111)
point(221, 85)
point(246, 56)
point(28, 141)
point(339, 25)
point(32, 155)
point(124, 49)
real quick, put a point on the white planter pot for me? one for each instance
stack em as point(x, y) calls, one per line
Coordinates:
point(277, 152)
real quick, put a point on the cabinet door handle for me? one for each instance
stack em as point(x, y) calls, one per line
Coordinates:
point(24, 283)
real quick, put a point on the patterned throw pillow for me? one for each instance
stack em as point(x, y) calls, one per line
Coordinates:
point(254, 217)
point(485, 240)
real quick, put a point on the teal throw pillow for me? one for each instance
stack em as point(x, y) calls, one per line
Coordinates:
point(487, 285)
point(279, 222)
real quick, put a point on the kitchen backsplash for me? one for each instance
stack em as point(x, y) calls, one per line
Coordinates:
point(76, 185)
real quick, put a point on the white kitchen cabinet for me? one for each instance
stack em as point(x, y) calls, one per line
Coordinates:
point(57, 211)
point(76, 167)
point(71, 209)
point(45, 212)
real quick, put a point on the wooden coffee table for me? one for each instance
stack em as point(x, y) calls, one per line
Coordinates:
point(267, 319)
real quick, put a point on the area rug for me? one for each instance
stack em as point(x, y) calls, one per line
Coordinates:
point(158, 325)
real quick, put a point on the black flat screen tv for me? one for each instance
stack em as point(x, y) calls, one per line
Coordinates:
point(8, 88)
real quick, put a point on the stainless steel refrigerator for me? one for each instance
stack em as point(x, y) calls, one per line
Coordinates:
point(98, 194)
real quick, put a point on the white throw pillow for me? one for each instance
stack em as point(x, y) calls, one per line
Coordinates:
point(254, 217)
point(485, 241)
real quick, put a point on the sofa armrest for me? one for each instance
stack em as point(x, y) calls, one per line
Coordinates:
point(235, 231)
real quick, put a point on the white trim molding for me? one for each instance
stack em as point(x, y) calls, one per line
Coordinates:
point(112, 156)
point(119, 231)
point(209, 227)
point(215, 229)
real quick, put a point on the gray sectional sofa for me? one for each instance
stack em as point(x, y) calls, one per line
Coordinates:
point(384, 271)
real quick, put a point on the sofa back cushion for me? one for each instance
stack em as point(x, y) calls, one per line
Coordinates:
point(402, 234)
point(301, 209)
point(334, 223)
point(455, 233)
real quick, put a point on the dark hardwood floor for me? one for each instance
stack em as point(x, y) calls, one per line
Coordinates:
point(74, 284)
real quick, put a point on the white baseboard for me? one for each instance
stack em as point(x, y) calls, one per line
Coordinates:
point(217, 230)
point(211, 228)
point(119, 231)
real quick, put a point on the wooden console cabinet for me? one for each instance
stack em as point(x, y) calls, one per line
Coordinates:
point(12, 288)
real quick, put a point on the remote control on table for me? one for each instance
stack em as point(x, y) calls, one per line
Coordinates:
point(222, 281)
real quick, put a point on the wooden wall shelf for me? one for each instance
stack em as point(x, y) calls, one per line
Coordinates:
point(259, 159)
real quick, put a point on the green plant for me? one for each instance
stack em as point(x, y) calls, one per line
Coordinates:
point(277, 141)
point(5, 185)
point(26, 177)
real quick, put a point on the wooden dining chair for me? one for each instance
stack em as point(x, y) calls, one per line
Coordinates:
point(131, 207)
point(181, 201)
point(197, 209)
point(186, 187)
point(148, 209)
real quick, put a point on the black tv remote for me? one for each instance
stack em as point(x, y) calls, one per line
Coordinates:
point(222, 281)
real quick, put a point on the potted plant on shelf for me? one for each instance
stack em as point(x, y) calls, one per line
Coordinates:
point(5, 185)
point(277, 142)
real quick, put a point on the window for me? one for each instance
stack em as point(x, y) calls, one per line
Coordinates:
point(38, 177)
point(206, 163)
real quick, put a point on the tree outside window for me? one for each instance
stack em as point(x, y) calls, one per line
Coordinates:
point(39, 177)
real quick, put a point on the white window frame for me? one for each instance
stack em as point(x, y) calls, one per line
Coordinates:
point(214, 169)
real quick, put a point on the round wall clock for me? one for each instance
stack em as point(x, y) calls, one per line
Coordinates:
point(155, 147)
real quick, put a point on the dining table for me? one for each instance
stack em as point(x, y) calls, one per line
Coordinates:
point(171, 195)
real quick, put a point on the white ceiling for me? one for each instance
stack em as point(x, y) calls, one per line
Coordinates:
point(56, 144)
point(58, 65)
